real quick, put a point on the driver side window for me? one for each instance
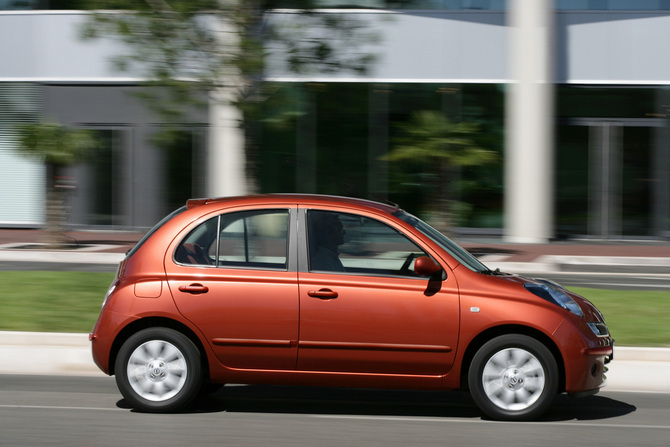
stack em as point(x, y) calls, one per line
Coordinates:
point(341, 242)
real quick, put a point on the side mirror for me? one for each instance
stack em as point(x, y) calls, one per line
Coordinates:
point(425, 266)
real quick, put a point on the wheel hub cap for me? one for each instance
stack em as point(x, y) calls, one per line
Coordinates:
point(157, 370)
point(513, 379)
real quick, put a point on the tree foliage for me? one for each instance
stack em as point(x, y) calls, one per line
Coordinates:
point(196, 46)
point(441, 147)
point(56, 146)
point(429, 137)
point(200, 51)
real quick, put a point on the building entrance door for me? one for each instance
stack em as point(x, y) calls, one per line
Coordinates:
point(613, 177)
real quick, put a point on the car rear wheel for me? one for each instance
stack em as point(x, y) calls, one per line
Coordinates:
point(158, 370)
point(513, 377)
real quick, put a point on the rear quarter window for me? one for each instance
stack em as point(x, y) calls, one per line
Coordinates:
point(156, 227)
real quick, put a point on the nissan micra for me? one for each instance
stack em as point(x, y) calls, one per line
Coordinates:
point(332, 291)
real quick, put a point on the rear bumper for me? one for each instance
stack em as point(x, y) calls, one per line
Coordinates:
point(102, 338)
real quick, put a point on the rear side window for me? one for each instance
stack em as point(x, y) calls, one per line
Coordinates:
point(248, 239)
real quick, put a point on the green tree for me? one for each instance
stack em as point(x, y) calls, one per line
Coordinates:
point(199, 51)
point(441, 147)
point(58, 147)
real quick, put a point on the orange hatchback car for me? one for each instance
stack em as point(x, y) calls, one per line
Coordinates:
point(333, 291)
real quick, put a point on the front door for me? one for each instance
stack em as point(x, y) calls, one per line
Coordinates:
point(366, 311)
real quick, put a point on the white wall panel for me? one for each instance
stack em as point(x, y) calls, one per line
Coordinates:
point(22, 180)
point(421, 46)
point(46, 46)
point(615, 47)
point(600, 47)
point(22, 188)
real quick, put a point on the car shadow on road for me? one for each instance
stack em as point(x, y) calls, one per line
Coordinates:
point(372, 402)
point(587, 408)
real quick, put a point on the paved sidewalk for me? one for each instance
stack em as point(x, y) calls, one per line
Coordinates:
point(81, 241)
point(633, 369)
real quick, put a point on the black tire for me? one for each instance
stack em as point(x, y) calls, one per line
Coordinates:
point(513, 377)
point(158, 370)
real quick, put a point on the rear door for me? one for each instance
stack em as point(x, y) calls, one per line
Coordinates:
point(233, 275)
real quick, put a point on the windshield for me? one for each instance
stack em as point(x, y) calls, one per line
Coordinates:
point(455, 250)
point(154, 229)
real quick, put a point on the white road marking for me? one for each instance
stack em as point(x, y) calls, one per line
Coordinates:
point(53, 407)
point(480, 421)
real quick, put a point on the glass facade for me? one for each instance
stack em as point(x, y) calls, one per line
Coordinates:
point(95, 199)
point(183, 179)
point(334, 138)
point(612, 152)
point(612, 161)
point(103, 166)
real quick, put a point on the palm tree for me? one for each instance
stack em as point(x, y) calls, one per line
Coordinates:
point(57, 146)
point(441, 146)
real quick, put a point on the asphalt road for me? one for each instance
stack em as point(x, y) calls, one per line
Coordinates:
point(69, 411)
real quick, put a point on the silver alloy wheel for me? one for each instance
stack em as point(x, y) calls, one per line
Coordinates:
point(157, 370)
point(513, 379)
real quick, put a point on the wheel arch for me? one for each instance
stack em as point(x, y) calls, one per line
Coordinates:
point(150, 322)
point(497, 331)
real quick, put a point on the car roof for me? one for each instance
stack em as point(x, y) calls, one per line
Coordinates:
point(299, 199)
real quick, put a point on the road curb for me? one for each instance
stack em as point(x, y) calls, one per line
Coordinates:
point(46, 353)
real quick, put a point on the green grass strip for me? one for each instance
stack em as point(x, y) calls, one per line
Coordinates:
point(70, 302)
point(51, 301)
point(634, 317)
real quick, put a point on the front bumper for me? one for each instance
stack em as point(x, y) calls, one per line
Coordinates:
point(584, 356)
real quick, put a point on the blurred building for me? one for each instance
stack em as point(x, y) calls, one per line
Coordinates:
point(574, 95)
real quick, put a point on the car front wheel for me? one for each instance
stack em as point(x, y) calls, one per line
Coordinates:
point(513, 377)
point(158, 370)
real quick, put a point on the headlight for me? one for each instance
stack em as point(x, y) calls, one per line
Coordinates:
point(554, 293)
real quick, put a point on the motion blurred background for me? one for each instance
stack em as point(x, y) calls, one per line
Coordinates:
point(526, 119)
